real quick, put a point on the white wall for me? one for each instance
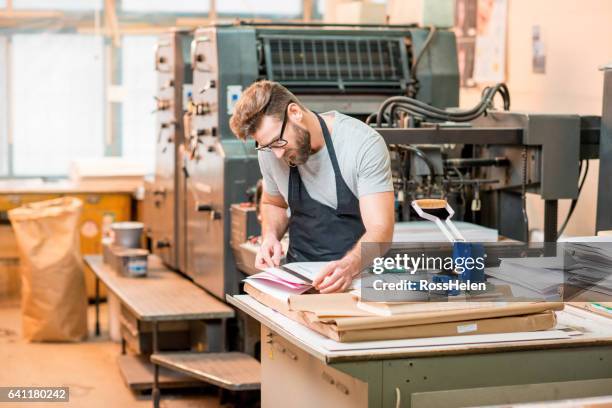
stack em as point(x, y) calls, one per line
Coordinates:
point(577, 37)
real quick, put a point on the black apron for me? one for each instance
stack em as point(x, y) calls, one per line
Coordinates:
point(318, 232)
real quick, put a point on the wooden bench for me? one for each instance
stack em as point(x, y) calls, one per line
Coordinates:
point(164, 295)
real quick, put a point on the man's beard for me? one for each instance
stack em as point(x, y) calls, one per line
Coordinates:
point(298, 155)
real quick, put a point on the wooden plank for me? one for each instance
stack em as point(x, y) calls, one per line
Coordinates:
point(232, 371)
point(161, 295)
point(137, 372)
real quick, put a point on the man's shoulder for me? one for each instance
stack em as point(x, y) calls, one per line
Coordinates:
point(354, 134)
point(362, 129)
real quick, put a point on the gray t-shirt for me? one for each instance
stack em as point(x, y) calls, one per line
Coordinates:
point(362, 155)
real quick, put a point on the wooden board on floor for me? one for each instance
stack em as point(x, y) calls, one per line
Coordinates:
point(137, 372)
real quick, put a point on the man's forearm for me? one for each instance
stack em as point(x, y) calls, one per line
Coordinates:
point(377, 242)
point(274, 220)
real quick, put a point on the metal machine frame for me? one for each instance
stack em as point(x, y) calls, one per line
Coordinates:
point(554, 144)
point(164, 204)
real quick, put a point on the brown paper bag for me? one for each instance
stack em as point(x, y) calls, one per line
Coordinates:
point(54, 300)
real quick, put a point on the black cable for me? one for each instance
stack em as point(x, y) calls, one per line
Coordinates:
point(575, 201)
point(418, 108)
point(487, 96)
point(413, 85)
point(423, 156)
point(417, 111)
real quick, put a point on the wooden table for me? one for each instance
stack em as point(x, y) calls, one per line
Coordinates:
point(422, 374)
point(162, 295)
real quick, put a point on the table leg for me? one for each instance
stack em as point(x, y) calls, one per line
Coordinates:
point(97, 300)
point(224, 334)
point(155, 393)
point(123, 344)
point(215, 335)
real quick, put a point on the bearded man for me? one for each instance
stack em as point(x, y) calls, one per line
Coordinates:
point(326, 179)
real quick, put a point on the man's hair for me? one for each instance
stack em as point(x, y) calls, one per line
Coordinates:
point(263, 98)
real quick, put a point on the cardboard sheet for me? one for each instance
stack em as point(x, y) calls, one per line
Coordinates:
point(374, 322)
point(512, 324)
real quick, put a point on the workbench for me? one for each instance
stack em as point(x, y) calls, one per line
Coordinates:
point(300, 363)
point(164, 295)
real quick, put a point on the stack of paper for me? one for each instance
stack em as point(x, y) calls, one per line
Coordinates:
point(289, 279)
point(425, 231)
point(539, 278)
point(592, 266)
point(280, 277)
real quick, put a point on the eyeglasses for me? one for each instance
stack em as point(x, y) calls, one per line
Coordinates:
point(279, 142)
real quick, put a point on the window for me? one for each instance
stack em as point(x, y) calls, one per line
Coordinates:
point(138, 128)
point(57, 101)
point(2, 3)
point(166, 6)
point(67, 5)
point(252, 8)
point(3, 109)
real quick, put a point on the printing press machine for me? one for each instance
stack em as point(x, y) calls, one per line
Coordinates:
point(483, 167)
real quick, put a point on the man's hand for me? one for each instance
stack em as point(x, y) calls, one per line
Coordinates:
point(378, 217)
point(270, 253)
point(337, 276)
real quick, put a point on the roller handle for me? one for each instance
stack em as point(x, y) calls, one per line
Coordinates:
point(431, 203)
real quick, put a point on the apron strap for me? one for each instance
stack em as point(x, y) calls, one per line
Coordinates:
point(330, 148)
